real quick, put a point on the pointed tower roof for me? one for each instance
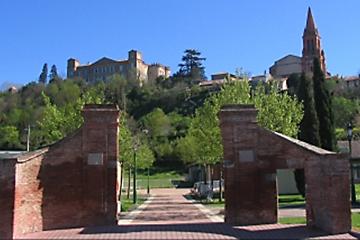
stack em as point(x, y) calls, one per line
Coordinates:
point(310, 23)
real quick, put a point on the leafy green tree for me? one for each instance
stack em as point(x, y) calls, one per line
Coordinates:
point(9, 138)
point(126, 151)
point(157, 123)
point(44, 74)
point(192, 67)
point(323, 107)
point(51, 125)
point(116, 90)
point(278, 112)
point(345, 110)
point(145, 156)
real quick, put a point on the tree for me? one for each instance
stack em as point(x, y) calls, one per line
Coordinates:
point(324, 109)
point(345, 110)
point(53, 73)
point(192, 67)
point(293, 82)
point(145, 156)
point(9, 138)
point(44, 74)
point(309, 126)
point(126, 151)
point(278, 112)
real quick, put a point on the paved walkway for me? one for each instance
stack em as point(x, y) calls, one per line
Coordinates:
point(168, 215)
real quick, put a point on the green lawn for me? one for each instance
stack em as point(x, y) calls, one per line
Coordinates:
point(355, 219)
point(292, 220)
point(127, 204)
point(157, 179)
point(289, 200)
point(357, 190)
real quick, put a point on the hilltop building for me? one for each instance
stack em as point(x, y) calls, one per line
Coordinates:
point(133, 67)
point(289, 64)
point(286, 66)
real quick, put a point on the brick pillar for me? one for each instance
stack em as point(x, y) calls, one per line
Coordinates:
point(250, 189)
point(328, 193)
point(100, 154)
point(7, 194)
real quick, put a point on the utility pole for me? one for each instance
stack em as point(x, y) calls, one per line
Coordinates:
point(134, 181)
point(28, 139)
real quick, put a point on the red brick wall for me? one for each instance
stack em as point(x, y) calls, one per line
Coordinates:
point(61, 187)
point(251, 157)
point(7, 189)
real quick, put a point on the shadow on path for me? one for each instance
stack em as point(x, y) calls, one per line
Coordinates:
point(220, 229)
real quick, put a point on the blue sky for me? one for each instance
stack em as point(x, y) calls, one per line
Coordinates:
point(229, 33)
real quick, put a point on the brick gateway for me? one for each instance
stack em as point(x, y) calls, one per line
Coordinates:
point(68, 184)
point(75, 181)
point(251, 157)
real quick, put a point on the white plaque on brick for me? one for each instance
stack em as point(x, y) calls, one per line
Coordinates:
point(95, 159)
point(246, 156)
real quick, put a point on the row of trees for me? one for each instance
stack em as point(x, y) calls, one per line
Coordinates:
point(317, 126)
point(44, 75)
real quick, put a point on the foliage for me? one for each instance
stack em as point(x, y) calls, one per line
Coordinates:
point(9, 137)
point(345, 110)
point(278, 112)
point(157, 122)
point(53, 73)
point(309, 126)
point(44, 74)
point(125, 143)
point(192, 67)
point(145, 156)
point(324, 109)
point(341, 133)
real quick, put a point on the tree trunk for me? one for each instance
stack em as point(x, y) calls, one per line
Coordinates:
point(220, 186)
point(129, 184)
point(204, 173)
point(121, 180)
point(210, 176)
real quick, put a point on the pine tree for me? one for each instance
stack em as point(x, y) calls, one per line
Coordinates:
point(192, 66)
point(53, 73)
point(44, 74)
point(324, 109)
point(309, 126)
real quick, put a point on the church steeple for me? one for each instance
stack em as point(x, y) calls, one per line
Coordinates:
point(311, 46)
point(310, 24)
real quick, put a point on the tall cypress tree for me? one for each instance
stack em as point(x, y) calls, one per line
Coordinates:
point(53, 73)
point(324, 109)
point(309, 126)
point(43, 74)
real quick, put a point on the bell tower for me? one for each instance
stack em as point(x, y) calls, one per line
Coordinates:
point(312, 47)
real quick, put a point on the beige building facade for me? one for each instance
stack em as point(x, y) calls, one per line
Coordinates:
point(286, 66)
point(132, 68)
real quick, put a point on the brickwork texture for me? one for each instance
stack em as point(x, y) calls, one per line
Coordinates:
point(71, 183)
point(252, 155)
